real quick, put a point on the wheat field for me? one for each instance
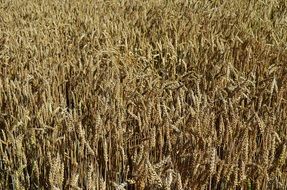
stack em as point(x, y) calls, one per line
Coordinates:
point(143, 94)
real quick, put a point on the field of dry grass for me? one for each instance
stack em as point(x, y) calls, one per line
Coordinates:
point(143, 94)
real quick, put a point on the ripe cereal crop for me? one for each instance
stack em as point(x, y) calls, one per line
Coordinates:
point(143, 94)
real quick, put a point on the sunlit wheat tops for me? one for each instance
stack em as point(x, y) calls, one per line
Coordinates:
point(143, 95)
